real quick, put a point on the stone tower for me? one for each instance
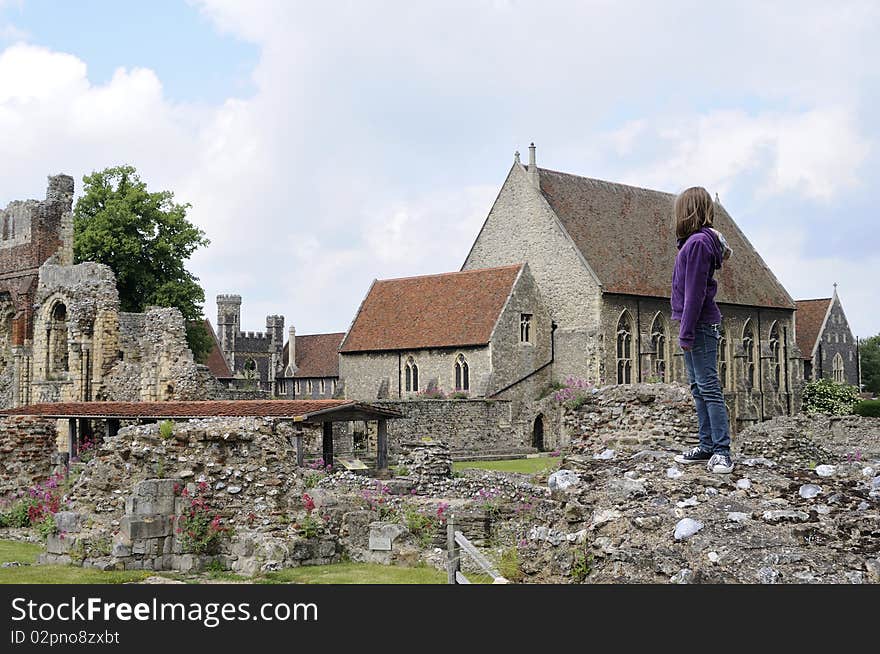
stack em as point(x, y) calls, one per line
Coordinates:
point(275, 332)
point(228, 323)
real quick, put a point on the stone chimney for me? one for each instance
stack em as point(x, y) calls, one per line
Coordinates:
point(291, 353)
point(533, 168)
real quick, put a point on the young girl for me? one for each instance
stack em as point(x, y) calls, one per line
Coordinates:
point(701, 250)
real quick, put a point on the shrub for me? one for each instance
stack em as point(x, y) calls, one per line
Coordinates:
point(828, 396)
point(550, 388)
point(166, 429)
point(46, 526)
point(509, 565)
point(575, 393)
point(421, 525)
point(432, 393)
point(201, 530)
point(459, 395)
point(582, 566)
point(868, 408)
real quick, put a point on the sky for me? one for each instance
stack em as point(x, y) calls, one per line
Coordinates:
point(324, 145)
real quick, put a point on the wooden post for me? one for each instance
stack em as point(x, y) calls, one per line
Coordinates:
point(72, 441)
point(453, 555)
point(299, 449)
point(328, 443)
point(382, 445)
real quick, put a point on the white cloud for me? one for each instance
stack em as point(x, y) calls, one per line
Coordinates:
point(378, 134)
point(816, 153)
point(807, 277)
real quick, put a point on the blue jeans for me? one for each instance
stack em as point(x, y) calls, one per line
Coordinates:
point(702, 368)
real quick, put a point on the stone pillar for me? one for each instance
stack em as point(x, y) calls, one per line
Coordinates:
point(382, 444)
point(533, 168)
point(328, 442)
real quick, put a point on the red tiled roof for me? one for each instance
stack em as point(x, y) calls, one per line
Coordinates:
point(317, 355)
point(808, 321)
point(448, 310)
point(199, 409)
point(216, 362)
point(626, 235)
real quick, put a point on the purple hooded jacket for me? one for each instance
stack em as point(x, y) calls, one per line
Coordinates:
point(693, 285)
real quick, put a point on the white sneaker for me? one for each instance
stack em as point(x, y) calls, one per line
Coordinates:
point(720, 463)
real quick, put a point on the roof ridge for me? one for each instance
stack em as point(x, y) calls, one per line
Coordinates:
point(449, 274)
point(321, 334)
point(818, 299)
point(596, 180)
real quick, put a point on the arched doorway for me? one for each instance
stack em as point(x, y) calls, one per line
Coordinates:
point(538, 433)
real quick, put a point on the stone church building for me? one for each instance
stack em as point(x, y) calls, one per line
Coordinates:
point(826, 342)
point(602, 255)
point(471, 334)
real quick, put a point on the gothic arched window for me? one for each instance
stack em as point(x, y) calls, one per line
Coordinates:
point(774, 354)
point(722, 359)
point(411, 374)
point(658, 342)
point(748, 343)
point(57, 359)
point(462, 376)
point(837, 368)
point(624, 349)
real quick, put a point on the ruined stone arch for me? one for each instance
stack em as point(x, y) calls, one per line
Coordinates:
point(538, 432)
point(57, 337)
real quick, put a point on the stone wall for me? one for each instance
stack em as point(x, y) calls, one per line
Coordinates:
point(27, 448)
point(32, 232)
point(570, 292)
point(474, 426)
point(380, 375)
point(747, 403)
point(629, 415)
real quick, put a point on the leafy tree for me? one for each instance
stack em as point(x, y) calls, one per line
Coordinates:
point(145, 238)
point(869, 351)
point(828, 396)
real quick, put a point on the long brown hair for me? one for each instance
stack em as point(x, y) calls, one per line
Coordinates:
point(693, 209)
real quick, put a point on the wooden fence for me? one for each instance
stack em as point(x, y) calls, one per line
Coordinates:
point(456, 543)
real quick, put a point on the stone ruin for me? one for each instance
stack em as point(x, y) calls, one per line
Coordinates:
point(802, 506)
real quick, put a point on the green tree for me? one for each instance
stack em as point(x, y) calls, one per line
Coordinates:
point(145, 238)
point(869, 351)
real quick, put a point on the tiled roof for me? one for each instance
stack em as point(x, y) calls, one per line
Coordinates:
point(808, 320)
point(216, 362)
point(626, 235)
point(317, 355)
point(448, 310)
point(200, 409)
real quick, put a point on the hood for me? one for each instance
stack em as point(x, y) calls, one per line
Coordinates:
point(708, 231)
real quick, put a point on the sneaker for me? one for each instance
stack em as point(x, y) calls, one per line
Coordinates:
point(696, 455)
point(720, 463)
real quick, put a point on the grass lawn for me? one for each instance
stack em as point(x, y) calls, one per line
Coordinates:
point(525, 466)
point(340, 573)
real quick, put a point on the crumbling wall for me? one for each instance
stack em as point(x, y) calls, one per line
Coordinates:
point(27, 448)
point(631, 414)
point(156, 362)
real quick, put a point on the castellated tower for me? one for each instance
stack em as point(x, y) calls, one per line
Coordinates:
point(275, 332)
point(228, 325)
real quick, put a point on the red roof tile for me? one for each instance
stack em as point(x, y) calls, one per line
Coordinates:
point(448, 310)
point(808, 321)
point(317, 355)
point(216, 362)
point(199, 409)
point(626, 235)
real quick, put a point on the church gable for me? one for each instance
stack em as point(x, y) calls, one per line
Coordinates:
point(521, 226)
